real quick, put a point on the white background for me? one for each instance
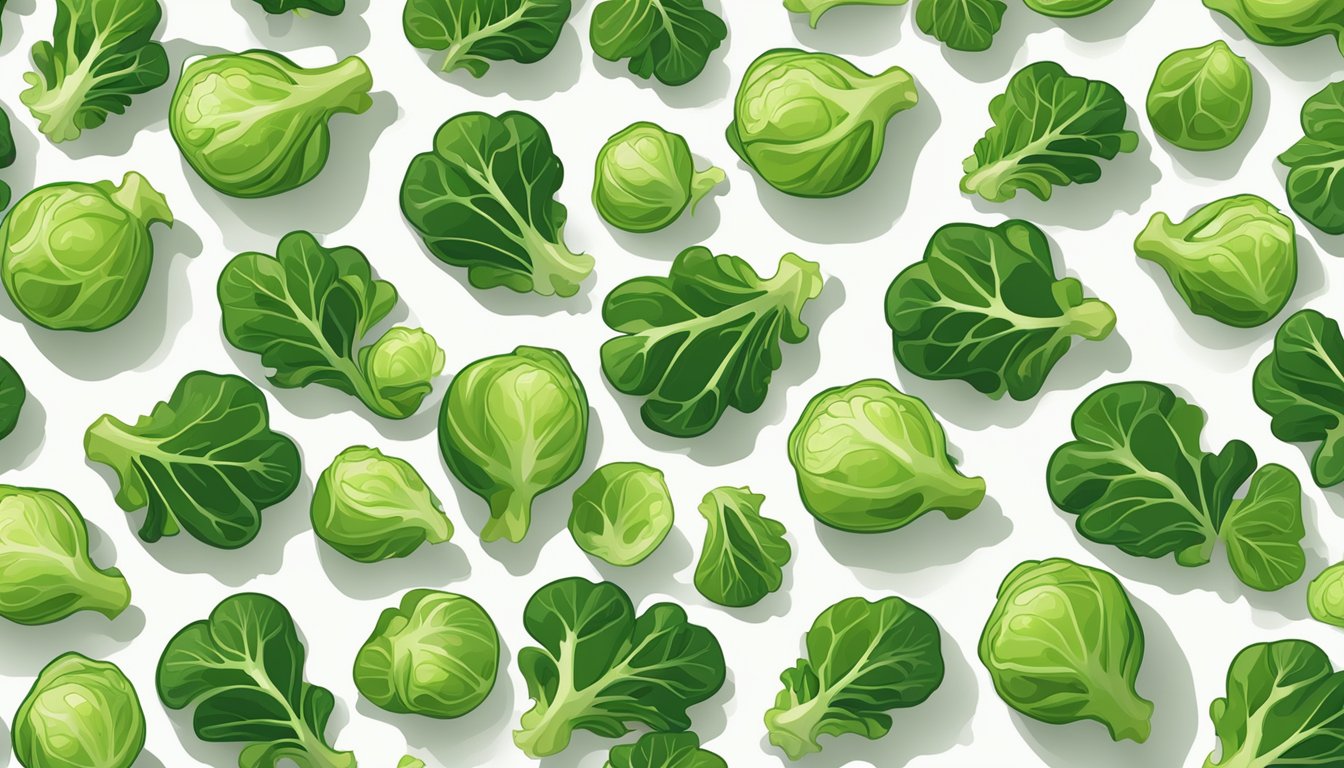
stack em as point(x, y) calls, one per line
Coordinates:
point(1195, 619)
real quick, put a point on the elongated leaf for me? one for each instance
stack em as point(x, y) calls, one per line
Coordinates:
point(744, 553)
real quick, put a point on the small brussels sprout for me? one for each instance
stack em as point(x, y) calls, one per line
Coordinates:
point(254, 124)
point(435, 655)
point(76, 256)
point(1066, 9)
point(622, 513)
point(1325, 596)
point(372, 507)
point(400, 367)
point(812, 124)
point(1201, 97)
point(645, 178)
point(80, 713)
point(1234, 260)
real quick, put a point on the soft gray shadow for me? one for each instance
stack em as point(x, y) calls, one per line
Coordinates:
point(345, 34)
point(432, 565)
point(1019, 23)
point(708, 87)
point(862, 30)
point(145, 760)
point(6, 750)
point(29, 649)
point(1109, 23)
point(556, 73)
point(20, 448)
point(709, 718)
point(1224, 164)
point(691, 228)
point(870, 210)
point(12, 24)
point(506, 301)
point(20, 175)
point(656, 574)
point(1302, 62)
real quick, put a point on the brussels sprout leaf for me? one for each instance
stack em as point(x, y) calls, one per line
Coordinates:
point(667, 39)
point(664, 750)
point(12, 395)
point(815, 8)
point(744, 553)
point(8, 152)
point(1315, 184)
point(476, 32)
point(324, 7)
point(962, 25)
point(1284, 22)
point(1301, 385)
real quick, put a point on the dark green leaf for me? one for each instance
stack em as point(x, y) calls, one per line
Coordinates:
point(667, 39)
point(744, 553)
point(664, 750)
point(1301, 385)
point(962, 25)
point(12, 395)
point(325, 7)
point(478, 32)
point(1315, 184)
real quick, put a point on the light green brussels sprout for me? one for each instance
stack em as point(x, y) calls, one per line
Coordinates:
point(76, 256)
point(622, 513)
point(1201, 97)
point(1325, 596)
point(372, 507)
point(646, 177)
point(1234, 260)
point(871, 458)
point(1063, 644)
point(400, 367)
point(812, 124)
point(45, 570)
point(254, 124)
point(435, 655)
point(1066, 9)
point(80, 713)
point(1284, 22)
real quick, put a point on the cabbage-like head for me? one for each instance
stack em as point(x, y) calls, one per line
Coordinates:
point(645, 178)
point(400, 367)
point(622, 513)
point(871, 458)
point(371, 507)
point(1325, 596)
point(76, 256)
point(812, 124)
point(254, 124)
point(80, 713)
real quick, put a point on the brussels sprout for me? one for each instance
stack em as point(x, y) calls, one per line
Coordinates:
point(1201, 97)
point(254, 124)
point(80, 713)
point(1325, 596)
point(400, 366)
point(1066, 9)
point(1063, 644)
point(76, 256)
point(812, 124)
point(870, 458)
point(645, 178)
point(622, 513)
point(371, 507)
point(1284, 22)
point(45, 570)
point(1234, 260)
point(435, 655)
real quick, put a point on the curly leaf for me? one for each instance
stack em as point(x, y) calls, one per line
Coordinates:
point(1315, 183)
point(667, 39)
point(1301, 385)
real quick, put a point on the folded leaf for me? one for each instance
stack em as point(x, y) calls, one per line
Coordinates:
point(667, 39)
point(744, 553)
point(1315, 185)
point(1301, 385)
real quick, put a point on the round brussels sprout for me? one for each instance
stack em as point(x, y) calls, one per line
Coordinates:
point(1066, 9)
point(372, 507)
point(622, 513)
point(1201, 97)
point(1325, 596)
point(400, 366)
point(645, 178)
point(76, 256)
point(435, 655)
point(80, 713)
point(812, 124)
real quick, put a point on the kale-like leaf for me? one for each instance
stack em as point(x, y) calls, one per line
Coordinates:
point(985, 306)
point(1138, 479)
point(667, 39)
point(324, 7)
point(704, 338)
point(101, 54)
point(664, 750)
point(962, 25)
point(1315, 183)
point(1301, 385)
point(205, 461)
point(744, 553)
point(12, 395)
point(476, 32)
point(1050, 128)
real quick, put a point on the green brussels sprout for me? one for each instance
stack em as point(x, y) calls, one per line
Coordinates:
point(1063, 644)
point(622, 513)
point(645, 178)
point(12, 395)
point(1201, 97)
point(512, 427)
point(1284, 22)
point(812, 124)
point(399, 367)
point(80, 713)
point(1325, 596)
point(435, 655)
point(254, 124)
point(871, 458)
point(1234, 260)
point(1066, 9)
point(372, 507)
point(45, 570)
point(76, 256)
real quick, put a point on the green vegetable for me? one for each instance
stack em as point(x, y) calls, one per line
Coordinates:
point(645, 178)
point(1201, 97)
point(1300, 384)
point(372, 507)
point(870, 458)
point(409, 761)
point(621, 513)
point(324, 7)
point(477, 32)
point(12, 395)
point(815, 8)
point(1063, 644)
point(601, 669)
point(511, 428)
point(255, 124)
point(1050, 128)
point(1066, 9)
point(1234, 260)
point(305, 311)
point(76, 256)
point(242, 668)
point(1138, 479)
point(744, 553)
point(1315, 186)
point(962, 25)
point(101, 54)
point(985, 306)
point(1325, 596)
point(667, 39)
point(863, 660)
point(812, 124)
point(1282, 709)
point(1284, 22)
point(8, 152)
point(45, 570)
point(664, 750)
point(204, 461)
point(435, 655)
point(484, 199)
point(705, 338)
point(80, 713)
